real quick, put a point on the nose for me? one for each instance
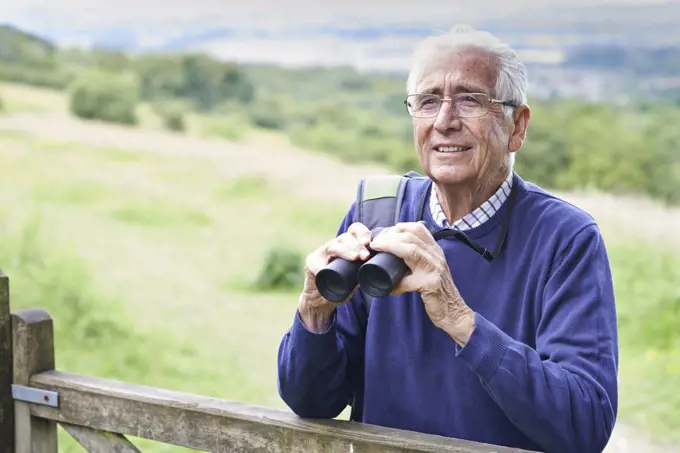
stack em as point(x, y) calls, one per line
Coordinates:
point(446, 118)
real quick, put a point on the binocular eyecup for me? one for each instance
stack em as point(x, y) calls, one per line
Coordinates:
point(377, 276)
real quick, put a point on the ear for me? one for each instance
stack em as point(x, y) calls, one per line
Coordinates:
point(521, 117)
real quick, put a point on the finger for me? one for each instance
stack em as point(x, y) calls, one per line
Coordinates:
point(406, 246)
point(351, 242)
point(361, 232)
point(320, 257)
point(411, 227)
point(419, 229)
point(316, 261)
point(408, 284)
point(350, 251)
point(387, 242)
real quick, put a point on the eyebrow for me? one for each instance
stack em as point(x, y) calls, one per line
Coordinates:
point(468, 88)
point(461, 88)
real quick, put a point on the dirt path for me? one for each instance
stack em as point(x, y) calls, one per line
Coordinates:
point(319, 176)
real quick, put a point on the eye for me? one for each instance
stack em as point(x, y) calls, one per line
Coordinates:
point(424, 100)
point(469, 100)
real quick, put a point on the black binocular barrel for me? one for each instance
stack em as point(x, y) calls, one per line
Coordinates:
point(379, 275)
point(336, 281)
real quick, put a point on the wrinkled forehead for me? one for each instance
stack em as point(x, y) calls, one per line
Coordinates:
point(460, 71)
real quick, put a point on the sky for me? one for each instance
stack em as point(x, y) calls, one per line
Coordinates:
point(268, 13)
point(158, 11)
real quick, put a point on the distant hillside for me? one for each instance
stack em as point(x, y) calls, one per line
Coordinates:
point(18, 45)
point(28, 58)
point(636, 59)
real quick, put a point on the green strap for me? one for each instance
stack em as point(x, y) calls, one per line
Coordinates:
point(381, 186)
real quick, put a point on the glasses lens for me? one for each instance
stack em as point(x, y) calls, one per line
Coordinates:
point(423, 105)
point(470, 105)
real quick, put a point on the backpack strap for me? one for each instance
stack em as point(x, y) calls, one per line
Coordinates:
point(377, 200)
point(378, 204)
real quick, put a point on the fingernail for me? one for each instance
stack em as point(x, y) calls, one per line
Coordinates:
point(365, 254)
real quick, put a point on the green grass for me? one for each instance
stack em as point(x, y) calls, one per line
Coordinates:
point(647, 282)
point(22, 98)
point(147, 264)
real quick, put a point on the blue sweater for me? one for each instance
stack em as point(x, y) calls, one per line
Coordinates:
point(539, 371)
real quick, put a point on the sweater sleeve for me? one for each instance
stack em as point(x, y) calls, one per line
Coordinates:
point(318, 373)
point(563, 394)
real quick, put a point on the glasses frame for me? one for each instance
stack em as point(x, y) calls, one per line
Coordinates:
point(486, 104)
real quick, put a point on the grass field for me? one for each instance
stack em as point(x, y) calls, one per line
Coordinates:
point(146, 259)
point(160, 246)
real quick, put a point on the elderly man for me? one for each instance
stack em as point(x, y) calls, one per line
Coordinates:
point(521, 351)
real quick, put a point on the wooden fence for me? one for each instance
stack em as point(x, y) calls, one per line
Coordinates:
point(98, 413)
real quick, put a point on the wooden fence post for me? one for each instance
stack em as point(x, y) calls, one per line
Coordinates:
point(33, 353)
point(6, 374)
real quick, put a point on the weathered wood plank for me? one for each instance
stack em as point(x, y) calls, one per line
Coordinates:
point(6, 373)
point(95, 441)
point(33, 353)
point(217, 425)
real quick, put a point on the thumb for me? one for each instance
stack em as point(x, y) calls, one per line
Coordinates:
point(407, 284)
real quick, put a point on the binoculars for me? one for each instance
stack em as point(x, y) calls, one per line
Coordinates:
point(376, 276)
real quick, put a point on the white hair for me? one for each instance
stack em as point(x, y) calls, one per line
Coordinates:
point(511, 80)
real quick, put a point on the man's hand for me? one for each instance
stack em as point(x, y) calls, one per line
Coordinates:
point(315, 311)
point(428, 275)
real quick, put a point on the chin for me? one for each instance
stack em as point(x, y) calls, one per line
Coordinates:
point(450, 174)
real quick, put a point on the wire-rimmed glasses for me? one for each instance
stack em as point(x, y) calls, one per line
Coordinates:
point(465, 105)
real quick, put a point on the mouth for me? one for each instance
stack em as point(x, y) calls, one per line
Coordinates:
point(452, 149)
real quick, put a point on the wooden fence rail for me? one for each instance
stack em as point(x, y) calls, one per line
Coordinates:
point(99, 413)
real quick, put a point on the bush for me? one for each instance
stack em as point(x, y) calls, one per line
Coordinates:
point(97, 94)
point(283, 269)
point(226, 127)
point(275, 111)
point(172, 115)
point(174, 121)
point(268, 115)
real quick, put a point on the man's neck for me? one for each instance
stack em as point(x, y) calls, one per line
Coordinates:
point(459, 200)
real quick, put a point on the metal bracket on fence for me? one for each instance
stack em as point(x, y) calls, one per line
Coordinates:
point(35, 395)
